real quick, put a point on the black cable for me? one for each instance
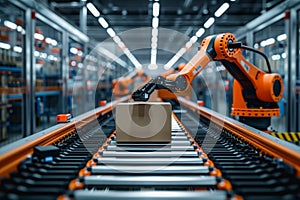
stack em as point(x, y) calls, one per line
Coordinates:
point(240, 45)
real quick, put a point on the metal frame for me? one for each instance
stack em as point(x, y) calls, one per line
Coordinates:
point(65, 71)
point(293, 122)
point(68, 31)
point(83, 19)
point(26, 116)
point(29, 75)
point(61, 30)
point(267, 18)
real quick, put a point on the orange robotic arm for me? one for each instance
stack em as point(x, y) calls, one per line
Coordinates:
point(255, 92)
point(120, 85)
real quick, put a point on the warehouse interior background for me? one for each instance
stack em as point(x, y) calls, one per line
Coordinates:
point(45, 44)
point(149, 99)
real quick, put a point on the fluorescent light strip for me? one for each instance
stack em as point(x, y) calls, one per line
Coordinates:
point(156, 9)
point(181, 51)
point(111, 56)
point(103, 22)
point(153, 59)
point(155, 22)
point(175, 58)
point(111, 32)
point(93, 9)
point(154, 32)
point(222, 9)
point(200, 32)
point(171, 62)
point(154, 39)
point(117, 39)
point(113, 35)
point(134, 61)
point(194, 39)
point(209, 22)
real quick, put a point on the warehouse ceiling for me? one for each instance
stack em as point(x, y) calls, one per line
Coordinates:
point(186, 16)
point(183, 16)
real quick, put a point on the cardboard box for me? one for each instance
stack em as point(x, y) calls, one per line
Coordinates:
point(143, 122)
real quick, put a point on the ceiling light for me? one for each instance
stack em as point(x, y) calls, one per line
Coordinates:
point(50, 57)
point(111, 32)
point(270, 41)
point(154, 39)
point(152, 66)
point(54, 42)
point(93, 9)
point(174, 58)
point(18, 49)
point(36, 53)
point(222, 9)
point(121, 44)
point(153, 59)
point(126, 51)
point(10, 25)
point(171, 62)
point(132, 58)
point(111, 56)
point(283, 55)
point(267, 42)
point(74, 50)
point(43, 55)
point(80, 53)
point(155, 22)
point(188, 44)
point(51, 41)
point(4, 45)
point(276, 57)
point(281, 37)
point(154, 51)
point(154, 45)
point(48, 40)
point(135, 62)
point(116, 39)
point(200, 32)
point(19, 28)
point(154, 32)
point(103, 22)
point(209, 22)
point(194, 39)
point(38, 36)
point(181, 52)
point(156, 9)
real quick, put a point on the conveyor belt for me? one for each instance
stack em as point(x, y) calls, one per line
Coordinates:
point(150, 195)
point(185, 168)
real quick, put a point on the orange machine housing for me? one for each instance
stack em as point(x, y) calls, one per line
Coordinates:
point(121, 85)
point(63, 118)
